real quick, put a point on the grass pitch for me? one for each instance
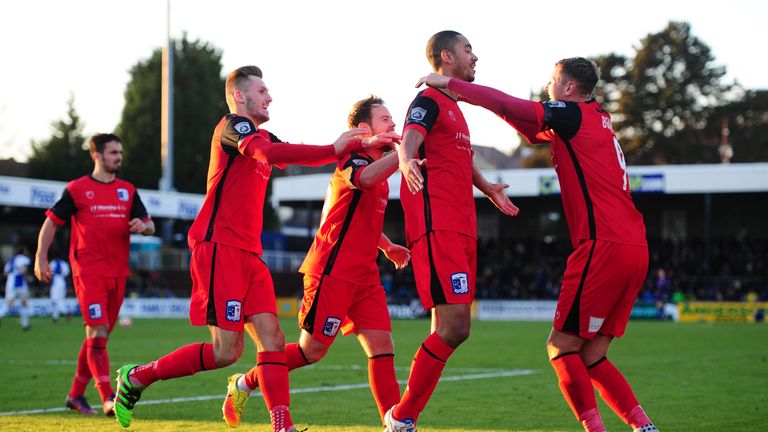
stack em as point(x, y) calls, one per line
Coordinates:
point(693, 377)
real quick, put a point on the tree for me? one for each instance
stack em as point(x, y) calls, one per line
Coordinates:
point(198, 105)
point(64, 156)
point(747, 121)
point(663, 96)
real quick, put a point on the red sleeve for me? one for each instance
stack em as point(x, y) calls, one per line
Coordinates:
point(521, 114)
point(259, 147)
point(52, 216)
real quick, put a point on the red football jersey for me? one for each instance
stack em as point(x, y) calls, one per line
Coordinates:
point(590, 166)
point(99, 212)
point(447, 201)
point(346, 244)
point(232, 212)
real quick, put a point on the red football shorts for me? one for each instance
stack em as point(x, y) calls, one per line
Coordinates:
point(331, 304)
point(228, 284)
point(100, 298)
point(601, 282)
point(444, 264)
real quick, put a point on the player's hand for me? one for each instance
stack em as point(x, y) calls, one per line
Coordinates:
point(434, 80)
point(136, 226)
point(399, 255)
point(42, 269)
point(349, 139)
point(496, 194)
point(411, 170)
point(384, 139)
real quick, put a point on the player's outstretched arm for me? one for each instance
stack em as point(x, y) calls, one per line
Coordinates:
point(519, 113)
point(360, 139)
point(399, 255)
point(494, 192)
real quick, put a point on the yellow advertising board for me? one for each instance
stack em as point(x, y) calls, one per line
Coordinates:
point(720, 311)
point(287, 307)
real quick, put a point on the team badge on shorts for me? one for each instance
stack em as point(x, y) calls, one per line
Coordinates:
point(595, 324)
point(460, 283)
point(233, 310)
point(331, 327)
point(94, 311)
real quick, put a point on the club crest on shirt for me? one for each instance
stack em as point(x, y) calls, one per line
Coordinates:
point(460, 283)
point(418, 114)
point(331, 327)
point(452, 115)
point(233, 310)
point(89, 194)
point(243, 127)
point(94, 311)
point(122, 194)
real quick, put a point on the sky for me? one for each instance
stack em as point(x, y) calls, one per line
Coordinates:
point(320, 57)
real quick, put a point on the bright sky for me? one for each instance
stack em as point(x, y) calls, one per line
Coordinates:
point(320, 57)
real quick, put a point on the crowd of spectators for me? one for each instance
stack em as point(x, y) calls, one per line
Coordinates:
point(732, 269)
point(724, 269)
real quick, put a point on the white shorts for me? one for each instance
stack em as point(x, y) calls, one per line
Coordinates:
point(17, 293)
point(58, 291)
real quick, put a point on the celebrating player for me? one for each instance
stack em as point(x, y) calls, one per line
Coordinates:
point(104, 210)
point(232, 287)
point(441, 227)
point(606, 270)
point(342, 288)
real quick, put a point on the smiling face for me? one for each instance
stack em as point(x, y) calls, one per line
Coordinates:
point(253, 99)
point(381, 120)
point(462, 59)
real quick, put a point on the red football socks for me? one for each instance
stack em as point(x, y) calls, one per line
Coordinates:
point(281, 418)
point(616, 392)
point(272, 374)
point(426, 369)
point(82, 374)
point(294, 359)
point(98, 362)
point(383, 381)
point(185, 361)
point(577, 389)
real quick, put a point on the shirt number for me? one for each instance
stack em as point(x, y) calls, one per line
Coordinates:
point(622, 163)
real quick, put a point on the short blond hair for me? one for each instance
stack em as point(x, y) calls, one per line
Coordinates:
point(238, 78)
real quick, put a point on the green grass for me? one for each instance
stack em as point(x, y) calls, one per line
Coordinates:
point(688, 378)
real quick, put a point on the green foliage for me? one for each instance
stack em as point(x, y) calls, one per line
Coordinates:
point(663, 97)
point(747, 121)
point(674, 369)
point(198, 103)
point(64, 156)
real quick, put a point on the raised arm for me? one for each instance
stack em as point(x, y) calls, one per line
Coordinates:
point(257, 147)
point(519, 113)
